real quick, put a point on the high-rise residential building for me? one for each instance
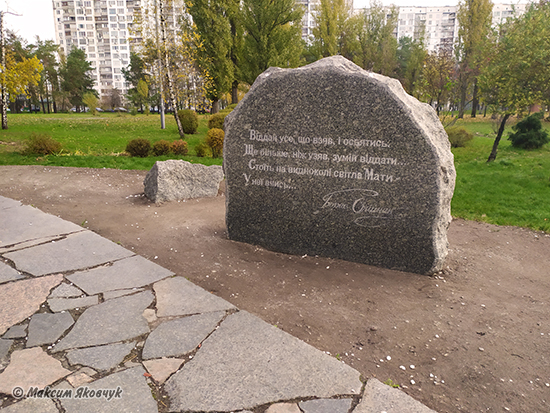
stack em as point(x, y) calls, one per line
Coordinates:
point(439, 24)
point(101, 28)
point(308, 21)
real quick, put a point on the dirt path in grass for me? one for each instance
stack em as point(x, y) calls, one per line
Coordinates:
point(474, 338)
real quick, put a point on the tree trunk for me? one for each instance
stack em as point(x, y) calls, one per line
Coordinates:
point(462, 102)
point(42, 102)
point(235, 92)
point(173, 98)
point(475, 100)
point(493, 154)
point(215, 106)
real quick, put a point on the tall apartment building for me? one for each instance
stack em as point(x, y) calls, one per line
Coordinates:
point(439, 24)
point(101, 28)
point(308, 21)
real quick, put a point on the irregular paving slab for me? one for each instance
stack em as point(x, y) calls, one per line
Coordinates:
point(81, 377)
point(45, 328)
point(101, 358)
point(326, 406)
point(32, 405)
point(75, 252)
point(27, 244)
point(247, 362)
point(283, 408)
point(109, 295)
point(181, 336)
point(178, 296)
point(135, 397)
point(31, 367)
point(379, 397)
point(19, 331)
point(109, 322)
point(162, 368)
point(7, 273)
point(26, 223)
point(66, 291)
point(5, 346)
point(176, 179)
point(127, 273)
point(21, 299)
point(6, 203)
point(63, 304)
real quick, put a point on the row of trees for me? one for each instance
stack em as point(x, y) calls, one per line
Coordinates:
point(217, 48)
point(39, 73)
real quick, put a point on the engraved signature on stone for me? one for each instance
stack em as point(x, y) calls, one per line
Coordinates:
point(362, 203)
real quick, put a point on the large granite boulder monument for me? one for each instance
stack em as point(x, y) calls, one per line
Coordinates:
point(331, 160)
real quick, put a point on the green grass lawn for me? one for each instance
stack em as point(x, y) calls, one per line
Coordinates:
point(94, 141)
point(513, 190)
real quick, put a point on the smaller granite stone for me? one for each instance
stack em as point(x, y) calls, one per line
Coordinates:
point(134, 395)
point(283, 408)
point(379, 397)
point(45, 328)
point(5, 346)
point(8, 273)
point(102, 357)
point(128, 273)
point(177, 296)
point(19, 331)
point(66, 291)
point(31, 367)
point(21, 299)
point(32, 405)
point(109, 295)
point(177, 337)
point(176, 179)
point(115, 320)
point(162, 368)
point(326, 406)
point(64, 304)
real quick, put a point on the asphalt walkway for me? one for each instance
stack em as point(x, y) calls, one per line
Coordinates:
point(88, 326)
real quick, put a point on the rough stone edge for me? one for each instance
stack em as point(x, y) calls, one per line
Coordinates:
point(432, 132)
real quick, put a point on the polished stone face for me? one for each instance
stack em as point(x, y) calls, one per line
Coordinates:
point(335, 161)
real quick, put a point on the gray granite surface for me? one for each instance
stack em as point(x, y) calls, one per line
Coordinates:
point(329, 159)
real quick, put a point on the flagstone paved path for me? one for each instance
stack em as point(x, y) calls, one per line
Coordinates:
point(88, 326)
